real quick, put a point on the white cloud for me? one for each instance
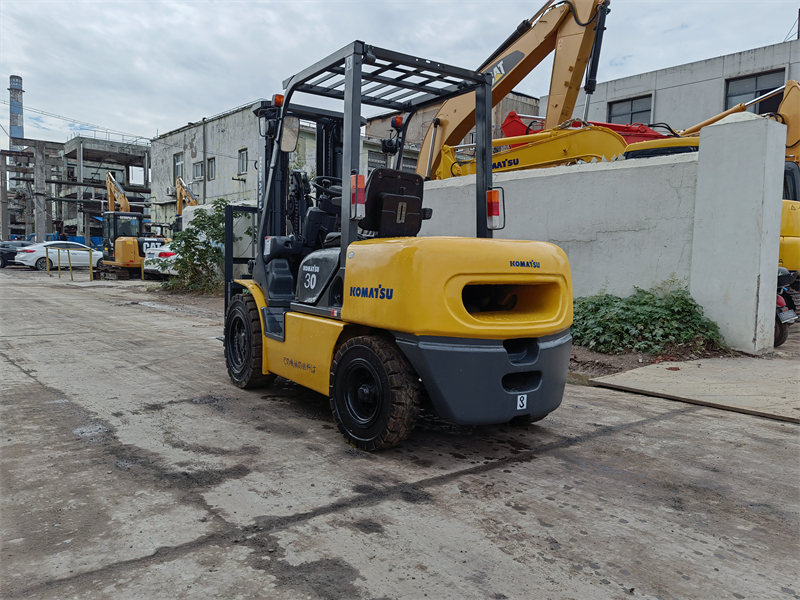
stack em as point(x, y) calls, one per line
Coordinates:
point(140, 67)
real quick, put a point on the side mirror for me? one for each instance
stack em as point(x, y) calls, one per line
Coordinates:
point(290, 134)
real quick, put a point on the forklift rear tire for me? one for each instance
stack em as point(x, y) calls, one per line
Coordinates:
point(375, 393)
point(244, 344)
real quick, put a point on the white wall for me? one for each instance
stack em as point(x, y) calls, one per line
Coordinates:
point(641, 222)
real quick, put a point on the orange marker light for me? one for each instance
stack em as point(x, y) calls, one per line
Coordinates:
point(493, 209)
point(397, 122)
point(357, 199)
point(277, 100)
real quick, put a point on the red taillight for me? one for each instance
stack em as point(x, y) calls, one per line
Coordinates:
point(165, 254)
point(493, 203)
point(781, 302)
point(26, 250)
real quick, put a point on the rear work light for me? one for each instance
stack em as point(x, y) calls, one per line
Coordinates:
point(165, 254)
point(495, 209)
point(357, 206)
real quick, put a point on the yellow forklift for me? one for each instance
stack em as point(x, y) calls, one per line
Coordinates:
point(344, 298)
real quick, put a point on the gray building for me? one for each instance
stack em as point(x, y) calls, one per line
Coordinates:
point(687, 94)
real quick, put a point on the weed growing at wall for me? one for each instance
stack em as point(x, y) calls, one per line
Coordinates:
point(649, 321)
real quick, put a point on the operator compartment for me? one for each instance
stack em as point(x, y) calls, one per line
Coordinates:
point(459, 287)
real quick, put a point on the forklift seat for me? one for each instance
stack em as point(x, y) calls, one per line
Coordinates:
point(393, 203)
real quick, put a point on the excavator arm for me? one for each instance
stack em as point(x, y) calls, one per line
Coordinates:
point(184, 195)
point(565, 27)
point(116, 195)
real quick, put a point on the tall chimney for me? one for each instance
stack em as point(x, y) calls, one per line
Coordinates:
point(15, 97)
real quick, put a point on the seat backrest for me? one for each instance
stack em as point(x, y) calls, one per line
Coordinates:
point(393, 203)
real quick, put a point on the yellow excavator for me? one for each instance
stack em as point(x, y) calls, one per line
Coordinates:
point(788, 113)
point(184, 198)
point(573, 31)
point(125, 241)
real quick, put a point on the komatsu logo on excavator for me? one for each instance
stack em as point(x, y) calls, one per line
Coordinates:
point(504, 65)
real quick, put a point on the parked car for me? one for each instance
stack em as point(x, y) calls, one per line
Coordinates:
point(160, 261)
point(8, 251)
point(36, 256)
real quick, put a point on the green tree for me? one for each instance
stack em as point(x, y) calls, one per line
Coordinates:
point(199, 252)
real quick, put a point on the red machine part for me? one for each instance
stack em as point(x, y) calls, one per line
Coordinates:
point(636, 132)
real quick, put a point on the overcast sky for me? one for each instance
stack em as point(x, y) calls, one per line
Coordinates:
point(140, 67)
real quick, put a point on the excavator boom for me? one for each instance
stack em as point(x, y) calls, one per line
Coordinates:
point(116, 195)
point(184, 195)
point(566, 28)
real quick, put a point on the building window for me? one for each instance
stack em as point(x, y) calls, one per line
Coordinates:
point(409, 165)
point(177, 166)
point(635, 110)
point(375, 160)
point(211, 170)
point(198, 170)
point(745, 89)
point(242, 161)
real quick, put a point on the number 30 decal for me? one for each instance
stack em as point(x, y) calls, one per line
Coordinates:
point(311, 281)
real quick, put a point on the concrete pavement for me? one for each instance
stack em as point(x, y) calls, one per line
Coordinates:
point(131, 468)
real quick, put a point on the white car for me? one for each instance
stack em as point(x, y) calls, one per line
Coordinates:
point(153, 258)
point(36, 256)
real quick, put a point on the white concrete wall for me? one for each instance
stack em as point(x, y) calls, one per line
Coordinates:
point(641, 222)
point(737, 228)
point(622, 224)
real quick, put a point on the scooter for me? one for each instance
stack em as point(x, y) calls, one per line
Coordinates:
point(786, 304)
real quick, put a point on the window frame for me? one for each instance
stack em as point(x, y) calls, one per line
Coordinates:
point(202, 170)
point(177, 166)
point(242, 162)
point(732, 100)
point(211, 169)
point(630, 120)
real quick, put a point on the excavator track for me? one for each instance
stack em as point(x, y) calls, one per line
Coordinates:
point(111, 273)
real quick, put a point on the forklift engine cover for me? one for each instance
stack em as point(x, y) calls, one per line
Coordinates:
point(459, 287)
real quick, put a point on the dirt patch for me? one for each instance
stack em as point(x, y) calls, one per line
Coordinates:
point(585, 363)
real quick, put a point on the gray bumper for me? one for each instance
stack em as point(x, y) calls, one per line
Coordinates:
point(483, 382)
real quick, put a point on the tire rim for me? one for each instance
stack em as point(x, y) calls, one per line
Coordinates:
point(362, 392)
point(237, 342)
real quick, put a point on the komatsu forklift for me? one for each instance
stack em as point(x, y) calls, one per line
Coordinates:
point(344, 298)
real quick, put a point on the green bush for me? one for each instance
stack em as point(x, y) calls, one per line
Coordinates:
point(649, 321)
point(198, 252)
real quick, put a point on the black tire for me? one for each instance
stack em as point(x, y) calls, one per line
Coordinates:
point(781, 332)
point(41, 264)
point(244, 344)
point(3, 263)
point(375, 393)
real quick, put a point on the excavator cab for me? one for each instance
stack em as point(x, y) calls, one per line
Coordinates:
point(344, 297)
point(119, 225)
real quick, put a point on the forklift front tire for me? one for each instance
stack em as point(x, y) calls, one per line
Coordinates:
point(375, 393)
point(244, 344)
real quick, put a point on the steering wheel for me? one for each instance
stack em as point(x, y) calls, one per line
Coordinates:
point(316, 182)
